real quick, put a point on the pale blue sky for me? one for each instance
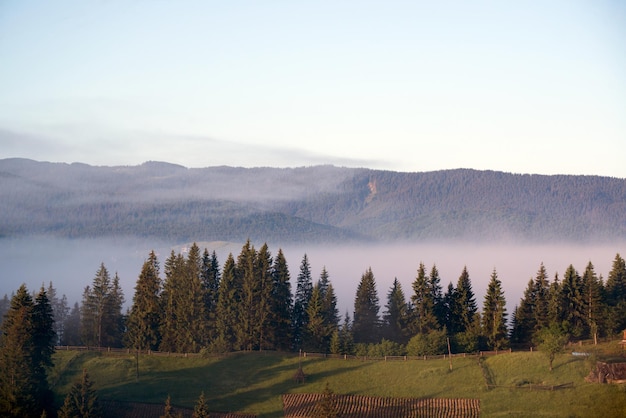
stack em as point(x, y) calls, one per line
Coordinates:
point(517, 86)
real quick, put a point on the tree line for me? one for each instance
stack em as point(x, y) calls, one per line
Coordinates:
point(193, 304)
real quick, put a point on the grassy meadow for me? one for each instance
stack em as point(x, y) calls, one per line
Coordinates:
point(254, 382)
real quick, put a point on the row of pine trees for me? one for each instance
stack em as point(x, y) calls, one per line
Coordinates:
point(248, 304)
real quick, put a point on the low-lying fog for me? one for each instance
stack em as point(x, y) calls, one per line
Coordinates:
point(71, 264)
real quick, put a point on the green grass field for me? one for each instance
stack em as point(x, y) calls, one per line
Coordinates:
point(254, 382)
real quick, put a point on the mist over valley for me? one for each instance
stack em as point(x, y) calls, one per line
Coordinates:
point(60, 221)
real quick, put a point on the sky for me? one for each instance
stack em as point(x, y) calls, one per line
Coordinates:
point(524, 87)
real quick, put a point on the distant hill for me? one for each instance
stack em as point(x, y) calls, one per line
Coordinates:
point(309, 204)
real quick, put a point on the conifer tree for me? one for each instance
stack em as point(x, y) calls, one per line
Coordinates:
point(616, 295)
point(145, 315)
point(541, 299)
point(19, 384)
point(170, 297)
point(248, 328)
point(82, 401)
point(494, 314)
point(191, 312)
point(572, 303)
point(329, 301)
point(5, 304)
point(317, 333)
point(366, 325)
point(210, 276)
point(592, 290)
point(94, 308)
point(304, 289)
point(44, 340)
point(60, 310)
point(524, 320)
point(451, 315)
point(115, 324)
point(72, 327)
point(201, 409)
point(396, 314)
point(263, 273)
point(465, 302)
point(282, 303)
point(423, 312)
point(226, 318)
point(436, 291)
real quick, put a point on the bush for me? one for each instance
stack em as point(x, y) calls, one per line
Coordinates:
point(430, 344)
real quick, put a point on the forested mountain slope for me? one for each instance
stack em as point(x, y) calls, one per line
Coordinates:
point(321, 204)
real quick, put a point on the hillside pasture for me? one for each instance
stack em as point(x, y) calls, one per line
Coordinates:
point(254, 383)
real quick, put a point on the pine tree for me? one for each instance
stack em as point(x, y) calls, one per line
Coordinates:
point(616, 295)
point(330, 313)
point(94, 308)
point(191, 313)
point(145, 315)
point(72, 327)
point(210, 276)
point(524, 319)
point(592, 290)
point(171, 337)
point(115, 324)
point(396, 314)
point(451, 317)
point(437, 296)
point(264, 278)
point(19, 385)
point(226, 312)
point(423, 306)
point(572, 303)
point(201, 409)
point(494, 314)
point(465, 302)
point(282, 303)
point(82, 401)
point(44, 340)
point(60, 310)
point(304, 289)
point(327, 406)
point(248, 329)
point(541, 299)
point(366, 325)
point(317, 333)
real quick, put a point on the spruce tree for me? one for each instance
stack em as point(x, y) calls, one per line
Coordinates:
point(44, 340)
point(282, 303)
point(304, 289)
point(173, 285)
point(396, 315)
point(465, 302)
point(541, 299)
point(451, 315)
point(366, 325)
point(524, 319)
point(423, 317)
point(329, 302)
point(226, 312)
point(592, 291)
point(494, 314)
point(572, 303)
point(20, 382)
point(437, 296)
point(616, 296)
point(145, 315)
point(263, 273)
point(201, 409)
point(248, 328)
point(72, 327)
point(317, 333)
point(82, 401)
point(94, 308)
point(210, 276)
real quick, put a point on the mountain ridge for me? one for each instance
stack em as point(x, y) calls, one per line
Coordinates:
point(321, 203)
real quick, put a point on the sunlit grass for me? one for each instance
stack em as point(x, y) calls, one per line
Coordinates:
point(255, 382)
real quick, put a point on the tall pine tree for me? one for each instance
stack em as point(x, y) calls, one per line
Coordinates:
point(396, 315)
point(146, 314)
point(366, 325)
point(282, 304)
point(494, 314)
point(304, 290)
